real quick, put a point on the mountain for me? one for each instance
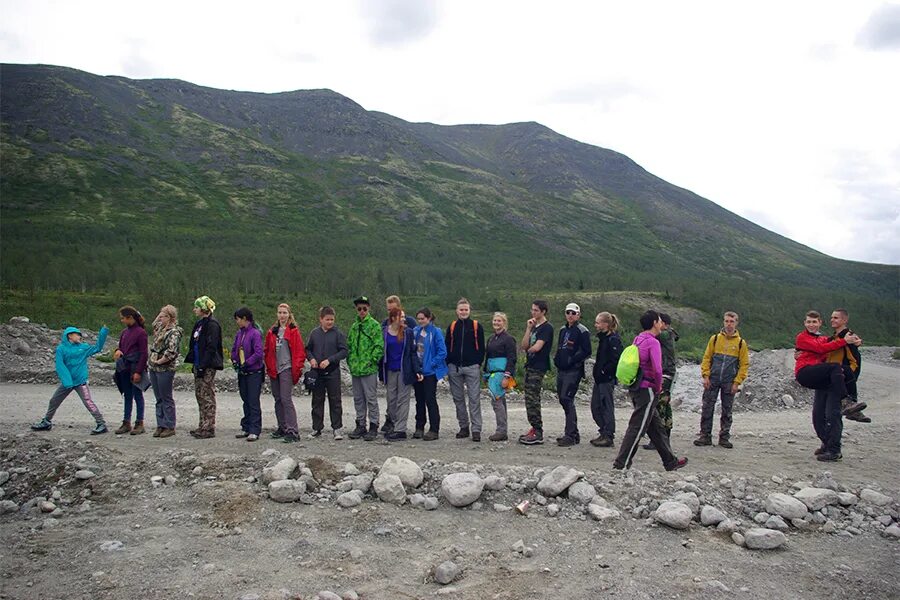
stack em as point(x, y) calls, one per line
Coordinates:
point(114, 183)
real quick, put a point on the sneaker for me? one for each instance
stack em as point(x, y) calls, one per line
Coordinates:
point(99, 429)
point(829, 457)
point(289, 438)
point(498, 437)
point(848, 406)
point(252, 437)
point(725, 443)
point(703, 440)
point(565, 441)
point(44, 425)
point(358, 432)
point(316, 433)
point(157, 432)
point(476, 436)
point(393, 436)
point(526, 434)
point(277, 434)
point(430, 436)
point(372, 433)
point(532, 438)
point(203, 435)
point(462, 433)
point(680, 462)
point(417, 435)
point(601, 441)
point(138, 428)
point(649, 445)
point(859, 417)
point(166, 433)
point(241, 435)
point(819, 450)
point(124, 428)
point(338, 434)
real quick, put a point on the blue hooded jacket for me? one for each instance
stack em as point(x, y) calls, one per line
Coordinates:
point(434, 358)
point(71, 359)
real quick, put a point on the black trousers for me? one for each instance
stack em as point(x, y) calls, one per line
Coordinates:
point(426, 401)
point(331, 384)
point(644, 419)
point(828, 381)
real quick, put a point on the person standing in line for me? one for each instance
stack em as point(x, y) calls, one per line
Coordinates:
point(499, 369)
point(609, 349)
point(724, 368)
point(365, 348)
point(432, 353)
point(850, 360)
point(465, 353)
point(284, 357)
point(572, 349)
point(327, 347)
point(163, 361)
point(537, 342)
point(667, 338)
point(206, 355)
point(247, 358)
point(391, 302)
point(131, 368)
point(399, 370)
point(643, 394)
point(72, 369)
point(813, 372)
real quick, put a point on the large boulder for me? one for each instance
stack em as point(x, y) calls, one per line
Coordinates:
point(816, 498)
point(786, 506)
point(408, 471)
point(601, 513)
point(286, 490)
point(876, 498)
point(279, 470)
point(676, 515)
point(759, 538)
point(710, 515)
point(389, 488)
point(558, 480)
point(462, 489)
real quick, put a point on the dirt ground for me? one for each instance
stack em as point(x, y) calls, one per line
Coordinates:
point(216, 535)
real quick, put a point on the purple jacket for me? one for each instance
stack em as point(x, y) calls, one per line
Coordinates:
point(651, 360)
point(133, 341)
point(250, 339)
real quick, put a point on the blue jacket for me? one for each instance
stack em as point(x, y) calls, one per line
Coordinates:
point(71, 359)
point(409, 363)
point(434, 355)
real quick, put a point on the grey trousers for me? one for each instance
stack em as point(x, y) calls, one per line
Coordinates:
point(470, 377)
point(499, 405)
point(365, 399)
point(710, 396)
point(285, 412)
point(163, 383)
point(397, 400)
point(603, 408)
point(84, 392)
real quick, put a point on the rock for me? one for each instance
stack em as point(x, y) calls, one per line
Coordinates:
point(20, 347)
point(4, 477)
point(111, 546)
point(389, 488)
point(279, 471)
point(738, 538)
point(518, 546)
point(600, 513)
point(326, 595)
point(847, 499)
point(344, 486)
point(49, 523)
point(269, 452)
point(170, 480)
point(156, 481)
point(674, 514)
point(786, 506)
point(286, 490)
point(431, 503)
point(350, 595)
point(462, 489)
point(197, 471)
point(776, 522)
point(494, 483)
point(408, 471)
point(788, 400)
point(816, 498)
point(558, 480)
point(690, 500)
point(893, 531)
point(876, 498)
point(350, 469)
point(47, 507)
point(8, 506)
point(350, 499)
point(553, 510)
point(502, 508)
point(727, 526)
point(446, 572)
point(761, 517)
point(829, 527)
point(363, 482)
point(582, 491)
point(84, 474)
point(758, 538)
point(710, 515)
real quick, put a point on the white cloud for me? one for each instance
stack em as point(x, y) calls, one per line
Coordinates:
point(882, 30)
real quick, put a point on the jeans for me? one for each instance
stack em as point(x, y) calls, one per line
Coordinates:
point(250, 387)
point(163, 383)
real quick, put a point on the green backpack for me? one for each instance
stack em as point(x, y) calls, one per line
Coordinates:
point(629, 367)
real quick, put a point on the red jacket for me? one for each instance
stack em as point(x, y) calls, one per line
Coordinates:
point(298, 352)
point(812, 349)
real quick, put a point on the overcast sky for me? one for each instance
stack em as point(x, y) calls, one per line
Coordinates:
point(783, 112)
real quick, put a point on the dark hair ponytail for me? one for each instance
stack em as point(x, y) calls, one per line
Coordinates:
point(130, 311)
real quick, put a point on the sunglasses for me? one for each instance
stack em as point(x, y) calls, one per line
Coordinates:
point(362, 309)
point(571, 312)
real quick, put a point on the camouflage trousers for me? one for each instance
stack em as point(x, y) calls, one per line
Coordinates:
point(205, 390)
point(664, 408)
point(534, 380)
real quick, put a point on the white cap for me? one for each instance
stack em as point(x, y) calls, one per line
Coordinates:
point(573, 306)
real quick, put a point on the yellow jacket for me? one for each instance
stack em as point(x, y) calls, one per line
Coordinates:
point(727, 358)
point(844, 356)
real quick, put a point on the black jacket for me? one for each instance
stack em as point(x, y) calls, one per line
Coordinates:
point(207, 338)
point(465, 343)
point(609, 349)
point(503, 345)
point(573, 346)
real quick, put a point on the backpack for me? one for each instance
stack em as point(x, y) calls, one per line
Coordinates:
point(474, 329)
point(629, 367)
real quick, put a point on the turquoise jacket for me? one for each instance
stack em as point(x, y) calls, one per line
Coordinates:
point(71, 359)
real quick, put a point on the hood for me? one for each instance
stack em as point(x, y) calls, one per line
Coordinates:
point(737, 333)
point(67, 331)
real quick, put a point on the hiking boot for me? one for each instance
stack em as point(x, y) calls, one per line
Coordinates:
point(44, 425)
point(417, 435)
point(565, 441)
point(526, 434)
point(372, 433)
point(338, 434)
point(316, 433)
point(649, 445)
point(124, 428)
point(859, 417)
point(388, 426)
point(498, 437)
point(358, 432)
point(463, 433)
point(241, 435)
point(157, 432)
point(430, 436)
point(99, 429)
point(680, 462)
point(725, 443)
point(289, 438)
point(829, 457)
point(819, 450)
point(532, 438)
point(848, 406)
point(203, 435)
point(277, 434)
point(138, 428)
point(166, 433)
point(703, 440)
point(393, 436)
point(601, 441)
point(476, 436)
